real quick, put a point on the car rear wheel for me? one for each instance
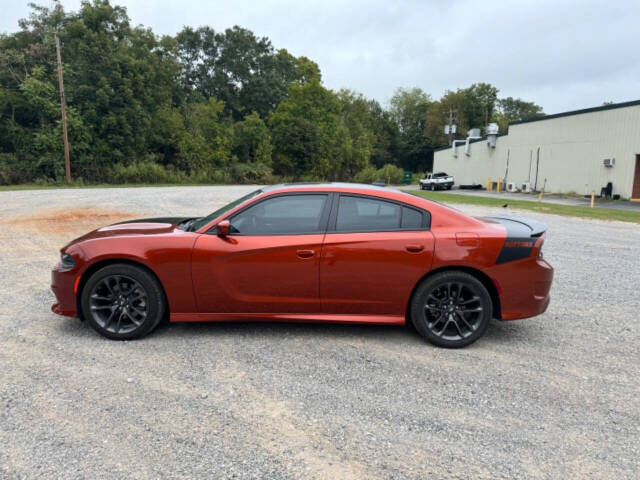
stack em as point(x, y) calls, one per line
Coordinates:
point(122, 302)
point(451, 309)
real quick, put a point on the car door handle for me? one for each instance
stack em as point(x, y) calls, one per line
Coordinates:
point(414, 248)
point(305, 253)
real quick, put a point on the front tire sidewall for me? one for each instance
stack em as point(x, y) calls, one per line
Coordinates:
point(420, 299)
point(154, 292)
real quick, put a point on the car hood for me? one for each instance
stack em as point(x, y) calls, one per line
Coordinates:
point(143, 226)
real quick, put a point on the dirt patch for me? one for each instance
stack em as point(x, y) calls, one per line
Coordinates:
point(69, 220)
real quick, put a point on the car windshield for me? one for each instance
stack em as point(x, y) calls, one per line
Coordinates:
point(201, 222)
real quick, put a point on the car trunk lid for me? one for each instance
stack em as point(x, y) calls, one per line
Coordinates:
point(523, 235)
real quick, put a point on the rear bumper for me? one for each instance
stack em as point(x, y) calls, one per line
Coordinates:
point(525, 287)
point(63, 285)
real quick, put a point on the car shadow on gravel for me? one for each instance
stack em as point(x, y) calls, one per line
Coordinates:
point(498, 332)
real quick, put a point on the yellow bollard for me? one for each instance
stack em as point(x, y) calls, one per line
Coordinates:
point(498, 184)
point(488, 183)
point(540, 197)
point(593, 197)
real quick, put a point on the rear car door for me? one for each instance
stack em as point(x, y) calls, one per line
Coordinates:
point(269, 262)
point(374, 253)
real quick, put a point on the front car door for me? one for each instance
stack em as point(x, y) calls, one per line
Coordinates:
point(269, 262)
point(374, 254)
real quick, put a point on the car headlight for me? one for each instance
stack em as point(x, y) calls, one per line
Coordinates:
point(67, 262)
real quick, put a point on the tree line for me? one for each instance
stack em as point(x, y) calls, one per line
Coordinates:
point(206, 106)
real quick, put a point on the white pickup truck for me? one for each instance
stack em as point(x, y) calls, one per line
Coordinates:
point(436, 181)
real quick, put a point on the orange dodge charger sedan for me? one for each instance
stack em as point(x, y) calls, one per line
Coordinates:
point(335, 252)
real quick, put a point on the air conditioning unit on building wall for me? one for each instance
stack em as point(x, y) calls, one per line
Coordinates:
point(609, 162)
point(512, 187)
point(526, 187)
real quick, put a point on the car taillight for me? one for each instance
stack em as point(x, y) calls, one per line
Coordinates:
point(540, 255)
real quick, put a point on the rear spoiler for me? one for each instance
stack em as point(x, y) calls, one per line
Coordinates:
point(522, 236)
point(521, 227)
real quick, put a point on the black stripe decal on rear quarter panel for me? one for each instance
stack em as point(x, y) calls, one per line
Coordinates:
point(515, 249)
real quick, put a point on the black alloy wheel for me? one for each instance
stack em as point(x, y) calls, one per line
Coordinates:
point(451, 309)
point(122, 302)
point(119, 304)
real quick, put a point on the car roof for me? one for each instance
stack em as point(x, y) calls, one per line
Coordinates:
point(329, 186)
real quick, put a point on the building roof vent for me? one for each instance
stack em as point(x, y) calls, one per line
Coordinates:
point(492, 134)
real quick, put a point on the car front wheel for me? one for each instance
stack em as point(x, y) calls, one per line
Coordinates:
point(123, 302)
point(451, 309)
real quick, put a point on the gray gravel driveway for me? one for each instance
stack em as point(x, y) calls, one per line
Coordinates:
point(557, 396)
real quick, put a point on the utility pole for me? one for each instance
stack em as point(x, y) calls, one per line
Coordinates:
point(450, 128)
point(63, 108)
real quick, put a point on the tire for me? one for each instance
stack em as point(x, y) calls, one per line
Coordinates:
point(447, 324)
point(123, 302)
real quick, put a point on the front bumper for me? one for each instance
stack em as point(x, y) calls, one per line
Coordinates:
point(64, 284)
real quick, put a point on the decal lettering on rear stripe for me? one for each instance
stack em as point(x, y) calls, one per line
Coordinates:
point(515, 249)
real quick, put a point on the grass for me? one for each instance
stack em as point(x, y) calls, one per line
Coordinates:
point(541, 207)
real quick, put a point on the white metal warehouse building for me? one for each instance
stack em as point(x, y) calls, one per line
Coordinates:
point(572, 152)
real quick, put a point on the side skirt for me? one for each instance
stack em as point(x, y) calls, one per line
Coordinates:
point(288, 317)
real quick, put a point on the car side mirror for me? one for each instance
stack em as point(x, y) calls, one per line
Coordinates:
point(222, 228)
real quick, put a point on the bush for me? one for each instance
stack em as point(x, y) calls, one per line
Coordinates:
point(150, 172)
point(389, 173)
point(367, 175)
point(9, 173)
point(144, 172)
point(251, 173)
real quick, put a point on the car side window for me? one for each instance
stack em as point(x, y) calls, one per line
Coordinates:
point(412, 219)
point(362, 214)
point(359, 214)
point(281, 215)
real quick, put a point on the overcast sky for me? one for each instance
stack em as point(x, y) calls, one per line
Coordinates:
point(563, 55)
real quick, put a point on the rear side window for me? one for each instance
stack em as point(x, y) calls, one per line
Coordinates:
point(282, 215)
point(362, 214)
point(412, 219)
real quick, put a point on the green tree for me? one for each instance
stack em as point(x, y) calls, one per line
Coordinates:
point(306, 132)
point(409, 109)
point(239, 68)
point(480, 104)
point(205, 142)
point(357, 118)
point(252, 140)
point(515, 109)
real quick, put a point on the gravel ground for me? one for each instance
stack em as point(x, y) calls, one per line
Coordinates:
point(552, 397)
